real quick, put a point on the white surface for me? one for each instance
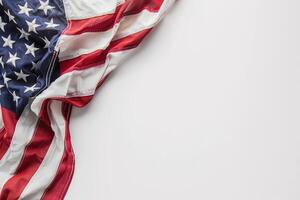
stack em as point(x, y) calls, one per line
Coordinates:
point(207, 109)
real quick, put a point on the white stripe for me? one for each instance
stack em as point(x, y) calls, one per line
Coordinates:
point(72, 46)
point(80, 83)
point(82, 9)
point(144, 20)
point(48, 168)
point(24, 131)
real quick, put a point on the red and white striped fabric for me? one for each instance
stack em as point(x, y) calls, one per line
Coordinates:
point(99, 35)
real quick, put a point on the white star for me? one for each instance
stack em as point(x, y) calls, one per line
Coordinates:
point(10, 16)
point(1, 2)
point(6, 79)
point(1, 62)
point(8, 41)
point(24, 9)
point(47, 42)
point(21, 75)
point(2, 24)
point(31, 89)
point(15, 97)
point(12, 59)
point(34, 66)
point(31, 49)
point(32, 26)
point(51, 24)
point(45, 6)
point(24, 34)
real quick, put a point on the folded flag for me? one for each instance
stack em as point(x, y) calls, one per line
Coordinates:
point(54, 54)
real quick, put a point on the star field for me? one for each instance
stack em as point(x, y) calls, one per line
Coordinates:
point(29, 31)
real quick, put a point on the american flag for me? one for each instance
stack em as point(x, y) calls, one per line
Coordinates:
point(54, 54)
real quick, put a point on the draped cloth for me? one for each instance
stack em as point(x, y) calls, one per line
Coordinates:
point(55, 54)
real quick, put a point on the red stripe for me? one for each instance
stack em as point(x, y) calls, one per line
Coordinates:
point(106, 22)
point(78, 101)
point(60, 184)
point(33, 156)
point(9, 120)
point(98, 57)
point(95, 24)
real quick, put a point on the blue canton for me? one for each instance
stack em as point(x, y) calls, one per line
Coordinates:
point(29, 31)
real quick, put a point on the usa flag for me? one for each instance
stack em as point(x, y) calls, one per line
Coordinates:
point(54, 54)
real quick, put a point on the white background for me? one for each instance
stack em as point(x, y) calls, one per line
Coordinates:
point(208, 109)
